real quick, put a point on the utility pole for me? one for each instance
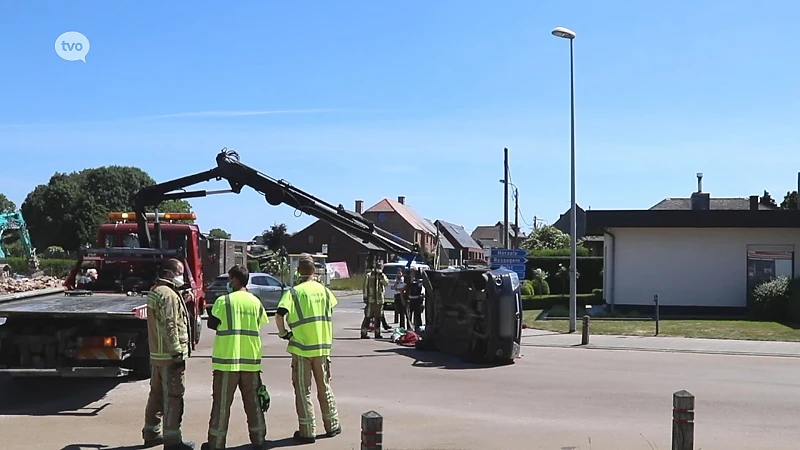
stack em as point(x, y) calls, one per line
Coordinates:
point(516, 217)
point(505, 204)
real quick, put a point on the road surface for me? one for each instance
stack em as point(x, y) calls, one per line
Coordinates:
point(552, 398)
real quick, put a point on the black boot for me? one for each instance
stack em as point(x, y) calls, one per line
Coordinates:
point(185, 445)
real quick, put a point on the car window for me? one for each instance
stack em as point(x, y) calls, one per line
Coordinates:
point(260, 281)
point(220, 281)
point(271, 281)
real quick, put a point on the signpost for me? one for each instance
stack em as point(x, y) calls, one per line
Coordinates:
point(511, 259)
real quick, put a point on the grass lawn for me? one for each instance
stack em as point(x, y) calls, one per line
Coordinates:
point(354, 283)
point(693, 328)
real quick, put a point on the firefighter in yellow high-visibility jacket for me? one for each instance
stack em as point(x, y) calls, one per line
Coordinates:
point(308, 307)
point(237, 318)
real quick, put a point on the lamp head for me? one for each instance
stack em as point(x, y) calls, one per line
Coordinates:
point(562, 32)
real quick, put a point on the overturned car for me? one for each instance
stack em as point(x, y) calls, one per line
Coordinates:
point(473, 314)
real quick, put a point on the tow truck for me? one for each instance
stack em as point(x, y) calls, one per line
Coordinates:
point(98, 328)
point(475, 314)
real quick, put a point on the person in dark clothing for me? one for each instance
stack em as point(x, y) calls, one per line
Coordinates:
point(416, 298)
point(399, 300)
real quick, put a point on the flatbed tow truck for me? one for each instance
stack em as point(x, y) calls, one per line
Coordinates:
point(475, 314)
point(94, 329)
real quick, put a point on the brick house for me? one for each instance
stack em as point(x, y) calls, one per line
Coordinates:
point(342, 246)
point(466, 247)
point(403, 221)
point(491, 236)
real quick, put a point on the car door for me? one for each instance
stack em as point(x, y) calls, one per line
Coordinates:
point(257, 287)
point(272, 293)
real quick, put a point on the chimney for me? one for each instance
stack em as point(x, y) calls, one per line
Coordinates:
point(753, 203)
point(359, 206)
point(701, 201)
point(401, 199)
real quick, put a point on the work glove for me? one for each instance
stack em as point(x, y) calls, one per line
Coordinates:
point(263, 397)
point(286, 335)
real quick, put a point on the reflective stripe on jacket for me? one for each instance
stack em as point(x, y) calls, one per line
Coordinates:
point(309, 309)
point(167, 323)
point(237, 345)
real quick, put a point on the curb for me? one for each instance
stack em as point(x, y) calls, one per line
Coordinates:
point(666, 350)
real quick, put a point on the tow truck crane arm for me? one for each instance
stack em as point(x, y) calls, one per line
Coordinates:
point(239, 175)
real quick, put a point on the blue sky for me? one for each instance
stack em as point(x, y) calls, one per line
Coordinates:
point(367, 99)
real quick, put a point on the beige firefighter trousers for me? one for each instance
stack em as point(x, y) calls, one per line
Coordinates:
point(224, 386)
point(303, 369)
point(167, 386)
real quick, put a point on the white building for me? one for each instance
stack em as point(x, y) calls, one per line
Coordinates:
point(699, 252)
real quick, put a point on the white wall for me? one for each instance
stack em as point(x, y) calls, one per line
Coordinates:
point(687, 266)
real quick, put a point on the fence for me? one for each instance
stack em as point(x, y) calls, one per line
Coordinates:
point(682, 425)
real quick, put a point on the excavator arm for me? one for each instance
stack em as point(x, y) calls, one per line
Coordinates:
point(276, 192)
point(14, 221)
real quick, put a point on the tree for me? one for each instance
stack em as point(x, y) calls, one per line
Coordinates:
point(219, 233)
point(67, 211)
point(767, 200)
point(6, 205)
point(275, 237)
point(789, 200)
point(546, 237)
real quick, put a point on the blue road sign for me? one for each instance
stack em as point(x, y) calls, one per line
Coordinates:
point(509, 253)
point(519, 270)
point(509, 261)
point(513, 267)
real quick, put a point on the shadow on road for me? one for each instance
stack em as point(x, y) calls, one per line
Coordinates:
point(434, 359)
point(102, 447)
point(54, 396)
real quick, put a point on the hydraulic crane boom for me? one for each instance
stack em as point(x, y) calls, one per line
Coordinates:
point(239, 175)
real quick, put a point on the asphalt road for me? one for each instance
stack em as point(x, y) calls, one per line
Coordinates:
point(552, 398)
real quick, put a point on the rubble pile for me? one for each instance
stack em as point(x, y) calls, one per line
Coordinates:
point(10, 285)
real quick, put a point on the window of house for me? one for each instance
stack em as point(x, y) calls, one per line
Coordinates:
point(310, 238)
point(767, 262)
point(381, 217)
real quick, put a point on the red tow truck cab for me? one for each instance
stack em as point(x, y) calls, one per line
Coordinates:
point(121, 231)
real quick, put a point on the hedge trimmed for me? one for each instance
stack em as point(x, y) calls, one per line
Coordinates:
point(589, 271)
point(549, 301)
point(53, 267)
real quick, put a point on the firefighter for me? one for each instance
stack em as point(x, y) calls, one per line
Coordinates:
point(308, 308)
point(237, 318)
point(168, 339)
point(374, 288)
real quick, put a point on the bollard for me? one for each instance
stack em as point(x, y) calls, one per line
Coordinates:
point(655, 302)
point(585, 331)
point(682, 421)
point(371, 431)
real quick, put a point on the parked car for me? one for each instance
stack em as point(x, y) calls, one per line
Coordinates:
point(263, 285)
point(390, 270)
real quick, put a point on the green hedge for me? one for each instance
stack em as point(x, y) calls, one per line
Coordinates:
point(589, 270)
point(53, 267)
point(549, 301)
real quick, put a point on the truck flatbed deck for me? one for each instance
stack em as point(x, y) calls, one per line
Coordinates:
point(62, 304)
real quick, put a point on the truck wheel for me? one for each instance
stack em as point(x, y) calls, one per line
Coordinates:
point(197, 326)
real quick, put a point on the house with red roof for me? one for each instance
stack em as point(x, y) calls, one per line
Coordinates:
point(396, 217)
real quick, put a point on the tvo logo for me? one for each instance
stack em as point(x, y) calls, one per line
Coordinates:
point(72, 46)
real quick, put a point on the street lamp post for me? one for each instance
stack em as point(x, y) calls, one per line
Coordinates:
point(568, 34)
